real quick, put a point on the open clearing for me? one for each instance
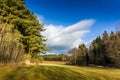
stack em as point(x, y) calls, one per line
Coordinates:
point(57, 72)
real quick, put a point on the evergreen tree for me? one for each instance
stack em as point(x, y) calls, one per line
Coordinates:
point(81, 54)
point(96, 50)
point(24, 21)
point(87, 57)
point(105, 49)
point(114, 49)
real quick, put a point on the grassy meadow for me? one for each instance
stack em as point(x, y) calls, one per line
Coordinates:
point(57, 72)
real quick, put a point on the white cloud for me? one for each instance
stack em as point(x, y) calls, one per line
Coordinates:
point(61, 37)
point(40, 18)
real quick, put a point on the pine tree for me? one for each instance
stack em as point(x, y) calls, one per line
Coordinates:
point(82, 54)
point(96, 50)
point(26, 23)
point(114, 49)
point(105, 46)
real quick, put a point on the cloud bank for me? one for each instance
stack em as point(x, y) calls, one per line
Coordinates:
point(61, 38)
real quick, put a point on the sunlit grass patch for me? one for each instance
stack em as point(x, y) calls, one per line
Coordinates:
point(57, 72)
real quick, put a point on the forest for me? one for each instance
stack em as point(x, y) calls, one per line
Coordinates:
point(104, 51)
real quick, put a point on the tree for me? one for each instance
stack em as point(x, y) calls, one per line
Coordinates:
point(96, 51)
point(73, 56)
point(25, 22)
point(114, 50)
point(82, 54)
point(87, 57)
point(11, 47)
point(105, 51)
point(77, 56)
point(117, 28)
point(105, 46)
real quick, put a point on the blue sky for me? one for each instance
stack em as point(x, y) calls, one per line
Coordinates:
point(72, 22)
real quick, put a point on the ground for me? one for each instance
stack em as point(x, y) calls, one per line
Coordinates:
point(57, 71)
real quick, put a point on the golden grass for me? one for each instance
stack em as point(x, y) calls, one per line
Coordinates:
point(54, 62)
point(50, 70)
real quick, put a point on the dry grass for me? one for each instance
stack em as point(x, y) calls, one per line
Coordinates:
point(54, 62)
point(52, 70)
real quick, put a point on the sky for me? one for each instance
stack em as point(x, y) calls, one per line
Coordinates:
point(70, 23)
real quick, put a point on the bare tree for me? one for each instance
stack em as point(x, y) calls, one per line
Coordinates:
point(117, 28)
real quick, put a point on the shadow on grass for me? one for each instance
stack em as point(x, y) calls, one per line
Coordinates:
point(43, 73)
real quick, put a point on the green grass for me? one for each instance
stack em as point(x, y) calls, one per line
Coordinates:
point(57, 72)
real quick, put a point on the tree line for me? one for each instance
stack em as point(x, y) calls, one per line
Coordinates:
point(54, 57)
point(104, 50)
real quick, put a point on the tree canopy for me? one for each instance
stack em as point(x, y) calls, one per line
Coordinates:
point(104, 50)
point(15, 13)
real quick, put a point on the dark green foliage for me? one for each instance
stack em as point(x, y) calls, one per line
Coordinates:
point(114, 49)
point(55, 57)
point(82, 54)
point(103, 51)
point(96, 51)
point(87, 57)
point(25, 22)
point(106, 50)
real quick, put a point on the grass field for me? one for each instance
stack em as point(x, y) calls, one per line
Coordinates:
point(57, 72)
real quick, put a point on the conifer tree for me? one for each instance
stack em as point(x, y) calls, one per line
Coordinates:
point(114, 49)
point(26, 23)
